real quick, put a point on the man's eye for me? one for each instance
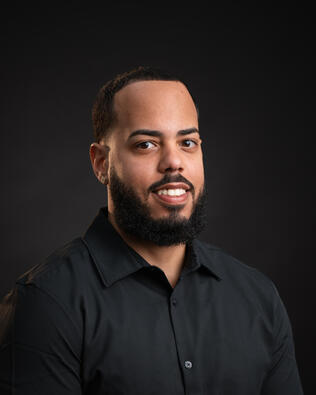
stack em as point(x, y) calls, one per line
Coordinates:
point(145, 145)
point(189, 143)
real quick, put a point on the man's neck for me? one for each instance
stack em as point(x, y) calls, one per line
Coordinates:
point(170, 259)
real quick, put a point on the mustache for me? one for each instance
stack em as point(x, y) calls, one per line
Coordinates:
point(169, 179)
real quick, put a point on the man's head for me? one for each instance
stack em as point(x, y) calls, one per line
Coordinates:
point(148, 152)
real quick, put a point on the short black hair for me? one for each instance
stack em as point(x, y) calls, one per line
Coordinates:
point(103, 114)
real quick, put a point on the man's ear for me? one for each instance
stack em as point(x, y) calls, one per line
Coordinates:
point(99, 156)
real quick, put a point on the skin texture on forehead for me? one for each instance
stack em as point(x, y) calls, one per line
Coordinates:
point(155, 104)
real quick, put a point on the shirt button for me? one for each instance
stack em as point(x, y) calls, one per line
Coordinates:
point(188, 364)
point(174, 301)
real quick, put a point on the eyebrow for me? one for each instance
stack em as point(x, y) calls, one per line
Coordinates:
point(156, 133)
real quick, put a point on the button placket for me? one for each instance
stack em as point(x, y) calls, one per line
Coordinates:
point(177, 309)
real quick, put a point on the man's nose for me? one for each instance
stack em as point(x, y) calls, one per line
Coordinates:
point(170, 159)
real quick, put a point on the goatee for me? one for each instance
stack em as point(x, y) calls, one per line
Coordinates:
point(133, 216)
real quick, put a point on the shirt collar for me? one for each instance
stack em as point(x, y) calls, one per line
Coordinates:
point(114, 259)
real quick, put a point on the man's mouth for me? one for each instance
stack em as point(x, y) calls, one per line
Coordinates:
point(175, 193)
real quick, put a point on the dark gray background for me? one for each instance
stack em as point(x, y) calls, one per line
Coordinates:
point(250, 70)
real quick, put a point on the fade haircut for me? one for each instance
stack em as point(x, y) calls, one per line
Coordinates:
point(103, 114)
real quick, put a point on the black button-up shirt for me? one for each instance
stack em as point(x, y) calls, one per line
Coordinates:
point(96, 318)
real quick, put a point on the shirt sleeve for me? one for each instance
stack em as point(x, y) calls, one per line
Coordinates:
point(39, 345)
point(283, 376)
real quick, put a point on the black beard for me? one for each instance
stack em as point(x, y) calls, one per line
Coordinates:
point(133, 217)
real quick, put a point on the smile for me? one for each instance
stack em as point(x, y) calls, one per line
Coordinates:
point(172, 193)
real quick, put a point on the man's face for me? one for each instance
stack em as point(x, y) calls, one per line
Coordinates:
point(155, 148)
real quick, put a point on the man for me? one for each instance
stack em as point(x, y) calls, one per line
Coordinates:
point(139, 305)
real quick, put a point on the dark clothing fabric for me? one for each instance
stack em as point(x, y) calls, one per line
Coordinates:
point(96, 318)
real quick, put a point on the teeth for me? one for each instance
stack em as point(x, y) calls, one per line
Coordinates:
point(171, 192)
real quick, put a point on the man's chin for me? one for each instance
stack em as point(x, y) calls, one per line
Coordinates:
point(155, 220)
point(165, 211)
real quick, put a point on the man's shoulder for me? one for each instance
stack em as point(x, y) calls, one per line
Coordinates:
point(68, 263)
point(234, 272)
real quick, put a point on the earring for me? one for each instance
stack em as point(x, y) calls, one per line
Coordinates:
point(102, 178)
